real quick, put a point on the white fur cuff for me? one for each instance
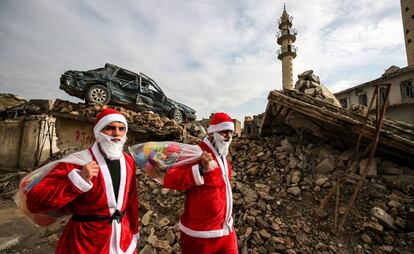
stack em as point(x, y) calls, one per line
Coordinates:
point(199, 180)
point(78, 181)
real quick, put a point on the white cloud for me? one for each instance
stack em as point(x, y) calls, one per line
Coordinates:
point(211, 55)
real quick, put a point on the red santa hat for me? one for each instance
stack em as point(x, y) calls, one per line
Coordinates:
point(106, 117)
point(220, 122)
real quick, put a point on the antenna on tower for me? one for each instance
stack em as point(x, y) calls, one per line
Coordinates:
point(284, 6)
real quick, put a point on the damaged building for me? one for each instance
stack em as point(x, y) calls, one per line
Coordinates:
point(400, 104)
point(299, 170)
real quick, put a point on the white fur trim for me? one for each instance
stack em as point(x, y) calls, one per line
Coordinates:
point(199, 180)
point(103, 168)
point(133, 244)
point(220, 127)
point(204, 234)
point(104, 121)
point(78, 181)
point(222, 160)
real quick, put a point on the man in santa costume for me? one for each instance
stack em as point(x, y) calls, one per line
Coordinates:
point(207, 225)
point(101, 195)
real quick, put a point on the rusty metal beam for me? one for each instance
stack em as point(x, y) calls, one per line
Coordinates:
point(371, 155)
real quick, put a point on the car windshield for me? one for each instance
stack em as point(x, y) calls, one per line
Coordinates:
point(125, 75)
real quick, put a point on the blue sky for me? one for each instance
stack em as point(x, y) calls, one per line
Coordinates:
point(211, 55)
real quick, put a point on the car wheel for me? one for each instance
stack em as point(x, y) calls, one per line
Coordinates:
point(177, 115)
point(98, 94)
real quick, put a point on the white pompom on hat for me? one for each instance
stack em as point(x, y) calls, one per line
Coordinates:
point(220, 122)
point(106, 117)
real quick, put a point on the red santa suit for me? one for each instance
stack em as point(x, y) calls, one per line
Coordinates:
point(207, 221)
point(64, 187)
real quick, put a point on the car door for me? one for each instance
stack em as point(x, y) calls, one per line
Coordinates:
point(159, 99)
point(144, 96)
point(125, 87)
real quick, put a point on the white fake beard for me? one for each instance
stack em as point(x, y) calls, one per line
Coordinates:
point(112, 149)
point(221, 144)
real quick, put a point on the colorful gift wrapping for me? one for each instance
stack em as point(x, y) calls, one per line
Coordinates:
point(156, 158)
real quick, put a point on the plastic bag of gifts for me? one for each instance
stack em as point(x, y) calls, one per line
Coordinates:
point(156, 158)
point(46, 218)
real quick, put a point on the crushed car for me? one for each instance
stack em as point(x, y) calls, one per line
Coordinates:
point(118, 86)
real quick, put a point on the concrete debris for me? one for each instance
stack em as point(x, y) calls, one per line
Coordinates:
point(148, 124)
point(295, 111)
point(251, 126)
point(274, 213)
point(8, 101)
point(372, 170)
point(310, 85)
point(14, 107)
point(6, 243)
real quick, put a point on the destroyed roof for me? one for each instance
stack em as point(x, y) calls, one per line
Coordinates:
point(389, 73)
point(327, 121)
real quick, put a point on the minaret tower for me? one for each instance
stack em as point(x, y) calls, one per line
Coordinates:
point(407, 11)
point(285, 38)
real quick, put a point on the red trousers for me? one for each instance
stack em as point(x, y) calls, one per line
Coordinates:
point(220, 245)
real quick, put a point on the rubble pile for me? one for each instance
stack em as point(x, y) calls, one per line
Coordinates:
point(13, 106)
point(309, 84)
point(278, 182)
point(8, 101)
point(282, 183)
point(143, 122)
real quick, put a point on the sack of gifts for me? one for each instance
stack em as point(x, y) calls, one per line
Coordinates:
point(156, 158)
point(32, 179)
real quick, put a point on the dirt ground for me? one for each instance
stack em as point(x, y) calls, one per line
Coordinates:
point(13, 225)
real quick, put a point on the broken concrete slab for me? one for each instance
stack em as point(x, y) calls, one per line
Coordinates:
point(329, 122)
point(386, 219)
point(325, 166)
point(7, 243)
point(372, 170)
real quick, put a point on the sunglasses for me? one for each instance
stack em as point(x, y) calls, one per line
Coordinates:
point(113, 128)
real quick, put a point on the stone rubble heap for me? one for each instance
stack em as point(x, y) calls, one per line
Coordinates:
point(13, 106)
point(143, 122)
point(277, 185)
point(309, 84)
point(8, 101)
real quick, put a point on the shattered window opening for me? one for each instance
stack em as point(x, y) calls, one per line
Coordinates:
point(124, 75)
point(363, 99)
point(382, 95)
point(344, 102)
point(406, 87)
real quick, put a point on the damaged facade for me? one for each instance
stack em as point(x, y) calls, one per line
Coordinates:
point(27, 133)
point(401, 100)
point(251, 126)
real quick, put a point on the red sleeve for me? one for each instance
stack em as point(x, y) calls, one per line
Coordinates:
point(183, 178)
point(59, 187)
point(131, 209)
